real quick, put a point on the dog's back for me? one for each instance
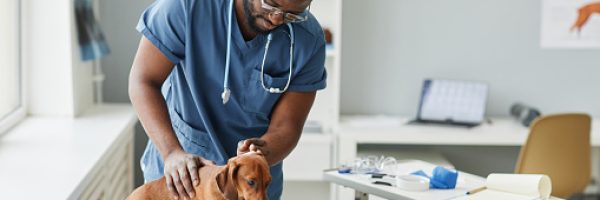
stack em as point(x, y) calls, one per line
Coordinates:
point(219, 182)
point(157, 189)
point(153, 190)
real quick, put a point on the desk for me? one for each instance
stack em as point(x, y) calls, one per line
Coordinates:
point(357, 130)
point(500, 132)
point(362, 184)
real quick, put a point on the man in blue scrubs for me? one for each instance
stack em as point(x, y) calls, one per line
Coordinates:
point(178, 75)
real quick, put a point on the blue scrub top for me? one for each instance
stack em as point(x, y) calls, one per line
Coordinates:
point(193, 35)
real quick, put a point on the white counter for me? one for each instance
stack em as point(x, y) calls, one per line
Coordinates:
point(502, 131)
point(50, 158)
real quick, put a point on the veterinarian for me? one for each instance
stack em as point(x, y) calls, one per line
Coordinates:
point(215, 78)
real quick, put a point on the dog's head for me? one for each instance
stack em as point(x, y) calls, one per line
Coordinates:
point(245, 177)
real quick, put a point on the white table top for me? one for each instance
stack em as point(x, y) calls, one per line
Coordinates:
point(394, 130)
point(363, 183)
point(48, 158)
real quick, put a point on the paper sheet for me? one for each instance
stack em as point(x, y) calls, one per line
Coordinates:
point(514, 187)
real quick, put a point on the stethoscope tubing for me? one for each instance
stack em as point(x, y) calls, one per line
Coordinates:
point(262, 66)
point(226, 91)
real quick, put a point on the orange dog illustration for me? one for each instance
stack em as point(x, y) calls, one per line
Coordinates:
point(584, 15)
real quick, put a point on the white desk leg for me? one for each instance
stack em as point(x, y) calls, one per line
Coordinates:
point(360, 195)
point(347, 150)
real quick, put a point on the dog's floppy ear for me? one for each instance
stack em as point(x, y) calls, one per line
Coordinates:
point(233, 166)
point(225, 183)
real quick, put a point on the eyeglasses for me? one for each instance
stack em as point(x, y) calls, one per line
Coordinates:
point(287, 17)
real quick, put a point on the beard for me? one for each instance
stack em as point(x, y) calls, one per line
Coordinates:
point(251, 19)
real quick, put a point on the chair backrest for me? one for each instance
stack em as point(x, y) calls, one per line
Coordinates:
point(559, 146)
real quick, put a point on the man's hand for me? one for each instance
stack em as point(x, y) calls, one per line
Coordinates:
point(181, 169)
point(254, 145)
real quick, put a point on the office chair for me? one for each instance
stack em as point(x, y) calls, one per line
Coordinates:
point(559, 146)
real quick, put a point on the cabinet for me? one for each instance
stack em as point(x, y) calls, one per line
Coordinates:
point(112, 177)
point(312, 154)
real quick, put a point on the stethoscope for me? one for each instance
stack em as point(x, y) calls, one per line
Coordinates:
point(226, 92)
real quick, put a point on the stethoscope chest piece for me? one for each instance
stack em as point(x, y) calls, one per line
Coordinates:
point(225, 95)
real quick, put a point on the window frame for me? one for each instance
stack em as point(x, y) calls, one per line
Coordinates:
point(18, 114)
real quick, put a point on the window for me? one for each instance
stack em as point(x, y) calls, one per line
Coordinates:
point(11, 87)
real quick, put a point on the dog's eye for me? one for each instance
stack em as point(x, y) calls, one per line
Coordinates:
point(251, 183)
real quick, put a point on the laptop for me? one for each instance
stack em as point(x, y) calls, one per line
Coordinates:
point(452, 102)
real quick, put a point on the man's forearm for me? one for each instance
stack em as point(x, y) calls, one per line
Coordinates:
point(153, 114)
point(286, 124)
point(280, 144)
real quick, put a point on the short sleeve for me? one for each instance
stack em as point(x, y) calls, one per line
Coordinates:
point(313, 76)
point(163, 23)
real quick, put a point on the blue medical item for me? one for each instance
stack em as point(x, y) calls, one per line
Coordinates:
point(226, 91)
point(442, 178)
point(345, 170)
point(192, 34)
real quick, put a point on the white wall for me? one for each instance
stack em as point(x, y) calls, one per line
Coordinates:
point(118, 20)
point(390, 46)
point(9, 52)
point(58, 83)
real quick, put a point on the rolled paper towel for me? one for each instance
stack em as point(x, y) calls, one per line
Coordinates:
point(533, 185)
point(513, 187)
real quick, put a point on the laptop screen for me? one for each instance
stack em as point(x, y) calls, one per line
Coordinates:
point(454, 101)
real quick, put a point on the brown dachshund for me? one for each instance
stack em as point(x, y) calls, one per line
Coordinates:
point(584, 15)
point(244, 177)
